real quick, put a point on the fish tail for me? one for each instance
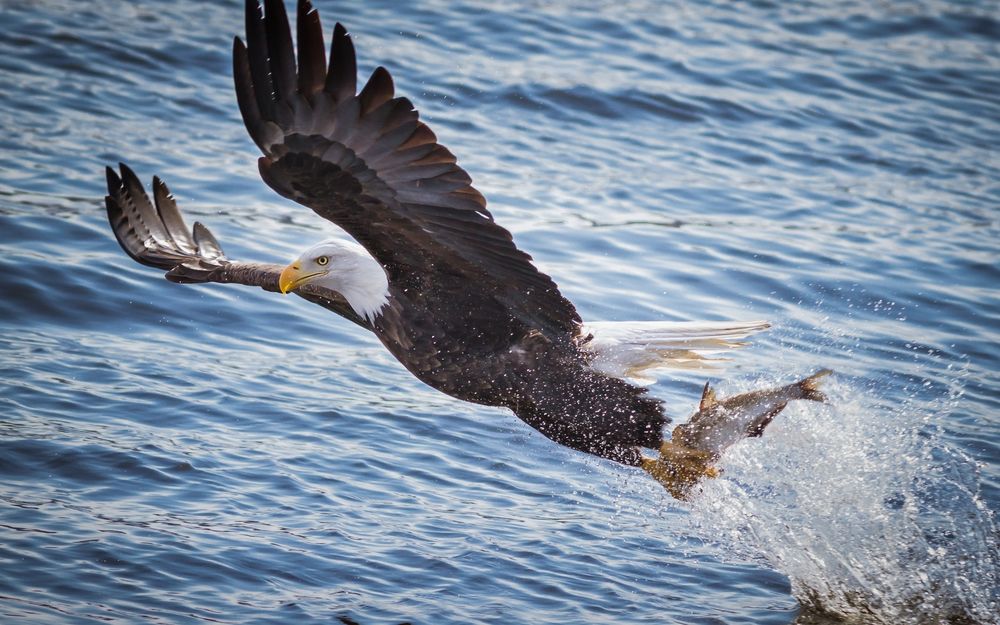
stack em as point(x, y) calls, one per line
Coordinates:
point(809, 387)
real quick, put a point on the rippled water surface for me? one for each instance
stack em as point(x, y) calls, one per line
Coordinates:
point(179, 454)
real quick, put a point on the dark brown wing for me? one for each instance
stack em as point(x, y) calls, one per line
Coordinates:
point(367, 163)
point(154, 234)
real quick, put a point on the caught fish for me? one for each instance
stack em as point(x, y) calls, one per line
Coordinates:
point(717, 425)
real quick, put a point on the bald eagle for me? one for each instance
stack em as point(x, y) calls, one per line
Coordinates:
point(431, 274)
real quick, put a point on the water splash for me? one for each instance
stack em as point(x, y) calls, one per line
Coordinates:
point(862, 504)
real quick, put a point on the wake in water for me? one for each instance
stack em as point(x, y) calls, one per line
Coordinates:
point(871, 515)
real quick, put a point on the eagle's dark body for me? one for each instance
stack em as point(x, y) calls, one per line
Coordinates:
point(467, 312)
point(505, 363)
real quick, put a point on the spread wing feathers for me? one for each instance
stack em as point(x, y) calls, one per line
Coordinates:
point(153, 233)
point(366, 162)
point(633, 348)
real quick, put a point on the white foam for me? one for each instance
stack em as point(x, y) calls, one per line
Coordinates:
point(864, 507)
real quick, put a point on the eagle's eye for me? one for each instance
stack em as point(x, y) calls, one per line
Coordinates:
point(322, 260)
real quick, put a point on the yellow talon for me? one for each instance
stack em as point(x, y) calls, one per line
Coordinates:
point(679, 468)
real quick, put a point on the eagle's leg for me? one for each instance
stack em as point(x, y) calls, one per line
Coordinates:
point(679, 468)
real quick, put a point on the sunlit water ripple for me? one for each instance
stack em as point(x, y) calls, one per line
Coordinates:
point(177, 454)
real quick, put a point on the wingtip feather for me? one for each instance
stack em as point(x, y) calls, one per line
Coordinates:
point(311, 49)
point(342, 72)
point(114, 181)
point(208, 246)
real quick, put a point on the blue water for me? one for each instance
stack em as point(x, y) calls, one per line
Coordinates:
point(180, 454)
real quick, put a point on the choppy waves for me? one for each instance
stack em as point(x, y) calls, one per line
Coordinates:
point(179, 454)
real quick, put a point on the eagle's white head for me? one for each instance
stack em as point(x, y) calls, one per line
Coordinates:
point(344, 267)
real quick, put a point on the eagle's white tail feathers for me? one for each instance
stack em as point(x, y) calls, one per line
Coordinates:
point(634, 349)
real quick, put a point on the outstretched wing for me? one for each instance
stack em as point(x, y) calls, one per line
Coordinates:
point(153, 233)
point(367, 163)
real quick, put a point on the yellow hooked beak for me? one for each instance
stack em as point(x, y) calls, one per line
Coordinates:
point(292, 277)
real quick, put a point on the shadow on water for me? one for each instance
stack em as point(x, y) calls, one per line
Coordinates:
point(816, 614)
point(346, 620)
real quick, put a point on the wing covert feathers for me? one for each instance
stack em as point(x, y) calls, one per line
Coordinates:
point(367, 163)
